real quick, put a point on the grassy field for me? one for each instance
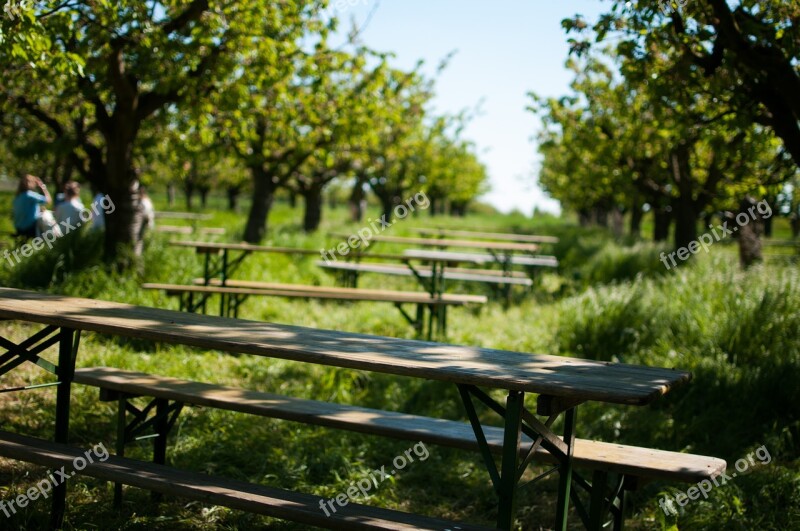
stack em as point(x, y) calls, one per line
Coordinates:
point(739, 332)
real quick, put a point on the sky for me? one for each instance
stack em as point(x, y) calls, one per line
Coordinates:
point(504, 50)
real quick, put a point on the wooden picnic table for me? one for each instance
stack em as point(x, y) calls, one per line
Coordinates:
point(511, 237)
point(218, 262)
point(482, 258)
point(189, 216)
point(507, 247)
point(561, 383)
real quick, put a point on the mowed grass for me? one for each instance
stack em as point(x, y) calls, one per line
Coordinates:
point(739, 333)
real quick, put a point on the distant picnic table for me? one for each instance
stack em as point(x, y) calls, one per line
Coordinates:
point(468, 234)
point(188, 216)
point(492, 247)
point(562, 385)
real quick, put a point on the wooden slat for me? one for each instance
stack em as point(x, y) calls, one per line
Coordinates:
point(215, 247)
point(172, 229)
point(434, 242)
point(354, 295)
point(183, 215)
point(479, 258)
point(269, 501)
point(639, 462)
point(537, 373)
point(403, 270)
point(503, 236)
point(357, 293)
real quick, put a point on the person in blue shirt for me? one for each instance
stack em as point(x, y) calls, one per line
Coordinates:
point(26, 205)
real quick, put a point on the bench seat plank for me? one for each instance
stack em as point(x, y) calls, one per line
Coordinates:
point(269, 501)
point(497, 369)
point(418, 297)
point(400, 297)
point(403, 270)
point(467, 244)
point(634, 461)
point(503, 236)
point(481, 258)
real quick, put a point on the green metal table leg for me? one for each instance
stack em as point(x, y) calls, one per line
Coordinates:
point(508, 478)
point(122, 403)
point(160, 442)
point(565, 480)
point(597, 504)
point(67, 349)
point(223, 275)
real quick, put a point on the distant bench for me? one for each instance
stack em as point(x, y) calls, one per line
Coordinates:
point(185, 230)
point(237, 291)
point(633, 465)
point(463, 275)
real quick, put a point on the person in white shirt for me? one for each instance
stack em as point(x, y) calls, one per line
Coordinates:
point(68, 212)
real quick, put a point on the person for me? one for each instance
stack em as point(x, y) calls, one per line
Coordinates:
point(98, 216)
point(26, 205)
point(68, 212)
point(144, 218)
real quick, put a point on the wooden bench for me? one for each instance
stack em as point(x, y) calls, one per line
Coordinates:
point(269, 501)
point(237, 291)
point(632, 465)
point(502, 236)
point(425, 272)
point(561, 384)
point(635, 462)
point(185, 230)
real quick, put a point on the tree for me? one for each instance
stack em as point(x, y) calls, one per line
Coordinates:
point(140, 59)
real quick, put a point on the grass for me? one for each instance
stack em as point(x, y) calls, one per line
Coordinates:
point(738, 332)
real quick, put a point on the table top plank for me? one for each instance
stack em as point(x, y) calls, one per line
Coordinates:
point(491, 368)
point(216, 247)
point(479, 258)
point(424, 272)
point(470, 244)
point(503, 236)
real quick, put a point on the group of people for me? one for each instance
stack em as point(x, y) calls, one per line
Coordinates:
point(32, 217)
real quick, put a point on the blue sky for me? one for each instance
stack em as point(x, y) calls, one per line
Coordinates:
point(505, 48)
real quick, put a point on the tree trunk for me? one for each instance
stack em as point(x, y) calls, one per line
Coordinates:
point(636, 219)
point(749, 235)
point(292, 199)
point(188, 189)
point(685, 221)
point(204, 196)
point(357, 202)
point(387, 205)
point(263, 196)
point(313, 211)
point(171, 194)
point(662, 220)
point(233, 198)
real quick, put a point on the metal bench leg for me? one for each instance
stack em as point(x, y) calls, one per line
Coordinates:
point(122, 405)
point(597, 505)
point(508, 476)
point(565, 472)
point(67, 351)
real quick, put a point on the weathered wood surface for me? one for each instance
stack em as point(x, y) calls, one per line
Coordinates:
point(405, 271)
point(252, 288)
point(592, 455)
point(480, 258)
point(503, 236)
point(469, 244)
point(536, 373)
point(270, 501)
